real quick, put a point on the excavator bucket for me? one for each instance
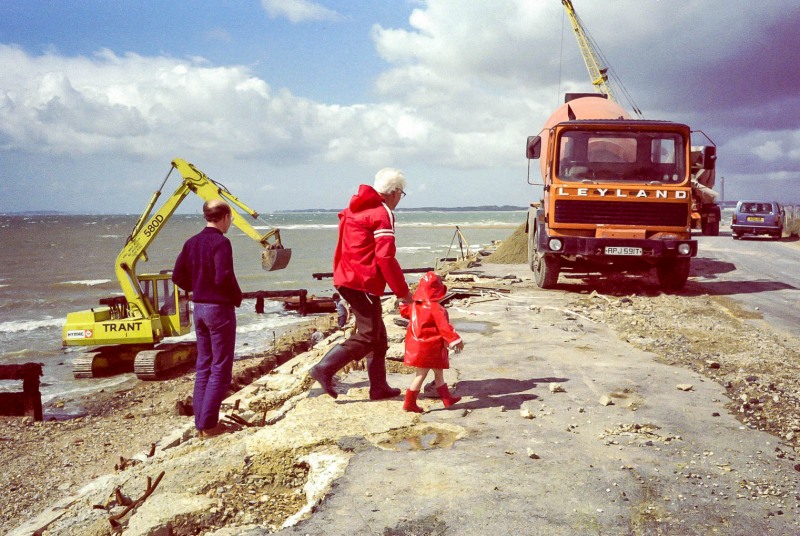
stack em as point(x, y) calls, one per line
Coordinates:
point(275, 259)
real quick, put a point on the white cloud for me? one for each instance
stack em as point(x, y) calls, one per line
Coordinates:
point(143, 106)
point(138, 106)
point(299, 10)
point(768, 151)
point(464, 84)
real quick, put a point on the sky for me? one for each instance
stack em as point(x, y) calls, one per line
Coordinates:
point(291, 104)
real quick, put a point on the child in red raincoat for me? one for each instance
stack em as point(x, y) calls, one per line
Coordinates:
point(428, 340)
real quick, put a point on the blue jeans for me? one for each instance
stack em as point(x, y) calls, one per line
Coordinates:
point(215, 327)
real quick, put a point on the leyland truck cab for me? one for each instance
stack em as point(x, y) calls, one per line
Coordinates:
point(616, 194)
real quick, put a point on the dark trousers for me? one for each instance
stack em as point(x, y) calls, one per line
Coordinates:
point(370, 338)
point(215, 326)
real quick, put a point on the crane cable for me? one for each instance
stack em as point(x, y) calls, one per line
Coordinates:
point(596, 49)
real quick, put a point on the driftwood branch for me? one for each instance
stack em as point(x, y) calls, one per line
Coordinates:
point(122, 500)
point(124, 463)
point(239, 420)
point(151, 487)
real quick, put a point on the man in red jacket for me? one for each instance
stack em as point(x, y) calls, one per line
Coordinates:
point(364, 263)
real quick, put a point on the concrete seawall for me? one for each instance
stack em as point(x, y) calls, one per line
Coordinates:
point(562, 429)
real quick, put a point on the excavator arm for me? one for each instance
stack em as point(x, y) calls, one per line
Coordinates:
point(274, 255)
point(127, 332)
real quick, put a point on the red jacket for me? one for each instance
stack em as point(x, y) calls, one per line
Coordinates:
point(429, 331)
point(365, 254)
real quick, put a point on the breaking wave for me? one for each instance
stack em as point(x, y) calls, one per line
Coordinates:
point(87, 282)
point(16, 326)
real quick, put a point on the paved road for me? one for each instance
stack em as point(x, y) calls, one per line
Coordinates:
point(758, 272)
point(658, 461)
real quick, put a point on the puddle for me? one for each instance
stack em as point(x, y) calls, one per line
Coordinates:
point(422, 437)
point(472, 326)
point(423, 442)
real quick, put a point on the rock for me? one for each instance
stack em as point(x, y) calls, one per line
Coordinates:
point(557, 388)
point(684, 386)
point(354, 444)
point(606, 400)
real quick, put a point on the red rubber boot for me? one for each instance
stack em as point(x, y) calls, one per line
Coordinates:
point(410, 403)
point(446, 397)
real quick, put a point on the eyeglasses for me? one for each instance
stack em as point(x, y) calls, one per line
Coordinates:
point(402, 194)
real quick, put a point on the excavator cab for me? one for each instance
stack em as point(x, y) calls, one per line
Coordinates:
point(170, 302)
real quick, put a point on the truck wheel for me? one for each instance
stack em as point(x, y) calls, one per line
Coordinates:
point(736, 236)
point(672, 273)
point(711, 228)
point(545, 266)
point(545, 270)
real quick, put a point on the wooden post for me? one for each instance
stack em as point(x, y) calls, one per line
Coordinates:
point(29, 401)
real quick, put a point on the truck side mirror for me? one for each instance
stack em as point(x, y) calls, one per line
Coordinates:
point(534, 147)
point(709, 157)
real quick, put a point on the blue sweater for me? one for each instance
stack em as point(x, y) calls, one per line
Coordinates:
point(205, 268)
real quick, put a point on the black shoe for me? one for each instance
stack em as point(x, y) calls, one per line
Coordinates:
point(323, 372)
point(325, 381)
point(382, 394)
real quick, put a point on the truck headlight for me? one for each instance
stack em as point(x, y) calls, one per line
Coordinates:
point(555, 244)
point(684, 249)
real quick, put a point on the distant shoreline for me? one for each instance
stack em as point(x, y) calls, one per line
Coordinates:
point(483, 208)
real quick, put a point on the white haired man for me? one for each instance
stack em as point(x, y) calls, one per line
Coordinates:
point(364, 263)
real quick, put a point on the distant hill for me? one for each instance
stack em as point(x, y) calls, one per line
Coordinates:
point(35, 213)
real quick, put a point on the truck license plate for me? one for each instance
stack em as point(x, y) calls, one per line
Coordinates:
point(615, 250)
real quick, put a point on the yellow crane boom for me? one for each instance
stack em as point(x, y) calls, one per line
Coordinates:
point(598, 69)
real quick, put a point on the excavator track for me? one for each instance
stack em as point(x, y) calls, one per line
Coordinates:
point(155, 364)
point(83, 365)
point(105, 361)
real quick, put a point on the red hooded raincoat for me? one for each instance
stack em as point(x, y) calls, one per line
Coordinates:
point(429, 333)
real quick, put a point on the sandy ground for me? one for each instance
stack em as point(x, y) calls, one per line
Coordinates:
point(44, 461)
point(759, 369)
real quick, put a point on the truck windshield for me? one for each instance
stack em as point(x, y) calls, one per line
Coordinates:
point(613, 156)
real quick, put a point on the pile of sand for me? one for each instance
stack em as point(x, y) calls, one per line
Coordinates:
point(512, 250)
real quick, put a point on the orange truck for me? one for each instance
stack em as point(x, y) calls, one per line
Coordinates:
point(617, 194)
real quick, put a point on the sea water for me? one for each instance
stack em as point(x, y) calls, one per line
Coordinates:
point(56, 264)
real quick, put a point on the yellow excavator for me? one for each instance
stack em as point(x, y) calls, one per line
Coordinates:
point(129, 330)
